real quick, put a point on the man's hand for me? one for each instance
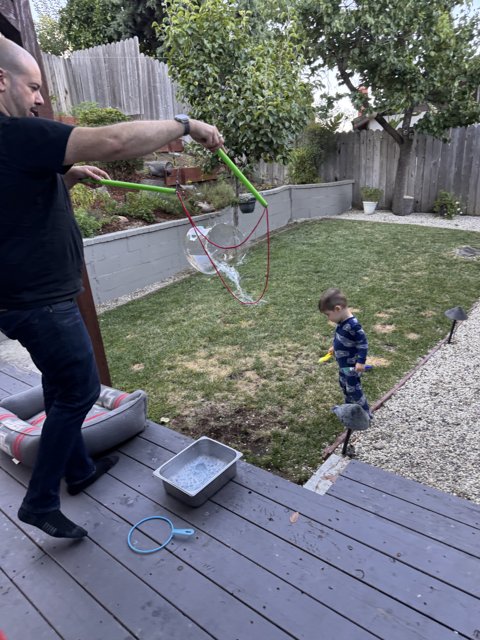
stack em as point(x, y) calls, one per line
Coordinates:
point(206, 134)
point(81, 172)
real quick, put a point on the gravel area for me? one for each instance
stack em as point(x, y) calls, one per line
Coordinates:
point(429, 430)
point(466, 223)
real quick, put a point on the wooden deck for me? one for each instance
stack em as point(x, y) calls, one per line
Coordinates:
point(378, 556)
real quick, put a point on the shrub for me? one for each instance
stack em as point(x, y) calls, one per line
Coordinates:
point(312, 147)
point(302, 168)
point(447, 205)
point(78, 109)
point(140, 205)
point(88, 224)
point(92, 200)
point(219, 194)
point(91, 115)
point(371, 194)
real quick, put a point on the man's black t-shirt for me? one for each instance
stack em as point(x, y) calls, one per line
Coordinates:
point(41, 249)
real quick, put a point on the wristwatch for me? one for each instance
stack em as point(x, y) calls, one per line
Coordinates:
point(185, 120)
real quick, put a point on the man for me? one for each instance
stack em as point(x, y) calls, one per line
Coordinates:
point(41, 258)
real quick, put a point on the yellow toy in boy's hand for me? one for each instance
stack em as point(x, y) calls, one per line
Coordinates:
point(326, 357)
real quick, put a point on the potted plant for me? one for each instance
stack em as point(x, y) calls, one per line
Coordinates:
point(246, 202)
point(370, 198)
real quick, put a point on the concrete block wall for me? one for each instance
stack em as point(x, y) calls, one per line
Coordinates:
point(126, 261)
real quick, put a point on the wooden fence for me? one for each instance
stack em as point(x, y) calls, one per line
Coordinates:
point(113, 75)
point(371, 157)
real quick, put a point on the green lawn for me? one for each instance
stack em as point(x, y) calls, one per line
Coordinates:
point(249, 376)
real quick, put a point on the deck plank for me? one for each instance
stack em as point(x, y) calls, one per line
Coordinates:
point(433, 525)
point(428, 498)
point(31, 378)
point(16, 611)
point(434, 558)
point(9, 386)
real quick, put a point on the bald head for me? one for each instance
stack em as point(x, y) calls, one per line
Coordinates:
point(13, 58)
point(20, 81)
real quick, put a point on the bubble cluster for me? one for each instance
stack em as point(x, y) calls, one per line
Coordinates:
point(223, 235)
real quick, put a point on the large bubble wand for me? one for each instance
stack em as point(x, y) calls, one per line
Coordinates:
point(171, 191)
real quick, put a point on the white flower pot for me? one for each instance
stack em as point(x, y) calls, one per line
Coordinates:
point(369, 207)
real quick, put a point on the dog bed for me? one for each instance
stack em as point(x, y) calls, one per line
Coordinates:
point(116, 416)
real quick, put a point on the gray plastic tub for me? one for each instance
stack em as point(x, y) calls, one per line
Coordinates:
point(198, 471)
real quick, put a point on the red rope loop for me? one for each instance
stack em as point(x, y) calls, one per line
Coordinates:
point(200, 235)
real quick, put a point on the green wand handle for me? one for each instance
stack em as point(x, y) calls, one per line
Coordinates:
point(133, 185)
point(236, 171)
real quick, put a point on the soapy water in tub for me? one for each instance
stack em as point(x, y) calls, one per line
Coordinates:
point(197, 473)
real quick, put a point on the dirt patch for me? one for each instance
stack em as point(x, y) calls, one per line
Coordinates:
point(216, 366)
point(384, 328)
point(241, 428)
point(382, 314)
point(428, 313)
point(412, 336)
point(378, 362)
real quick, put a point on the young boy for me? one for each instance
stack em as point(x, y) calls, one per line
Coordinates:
point(350, 346)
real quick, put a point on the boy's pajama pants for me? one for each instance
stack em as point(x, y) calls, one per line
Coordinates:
point(351, 386)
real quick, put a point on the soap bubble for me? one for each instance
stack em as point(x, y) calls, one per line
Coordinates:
point(224, 235)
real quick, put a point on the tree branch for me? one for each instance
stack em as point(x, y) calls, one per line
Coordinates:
point(378, 117)
point(389, 129)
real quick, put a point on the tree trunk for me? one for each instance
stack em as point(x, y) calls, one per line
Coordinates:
point(398, 204)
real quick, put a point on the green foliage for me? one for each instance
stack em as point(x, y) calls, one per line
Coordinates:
point(93, 200)
point(82, 107)
point(136, 19)
point(88, 223)
point(50, 36)
point(83, 197)
point(87, 23)
point(406, 53)
point(313, 144)
point(91, 115)
point(448, 205)
point(302, 168)
point(219, 194)
point(140, 205)
point(240, 72)
point(371, 194)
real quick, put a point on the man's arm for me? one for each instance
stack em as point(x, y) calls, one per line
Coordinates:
point(127, 140)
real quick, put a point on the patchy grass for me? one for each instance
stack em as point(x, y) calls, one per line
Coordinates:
point(249, 376)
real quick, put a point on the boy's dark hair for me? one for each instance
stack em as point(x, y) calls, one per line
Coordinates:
point(330, 299)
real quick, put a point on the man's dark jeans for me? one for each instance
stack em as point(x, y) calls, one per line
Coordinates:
point(59, 345)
